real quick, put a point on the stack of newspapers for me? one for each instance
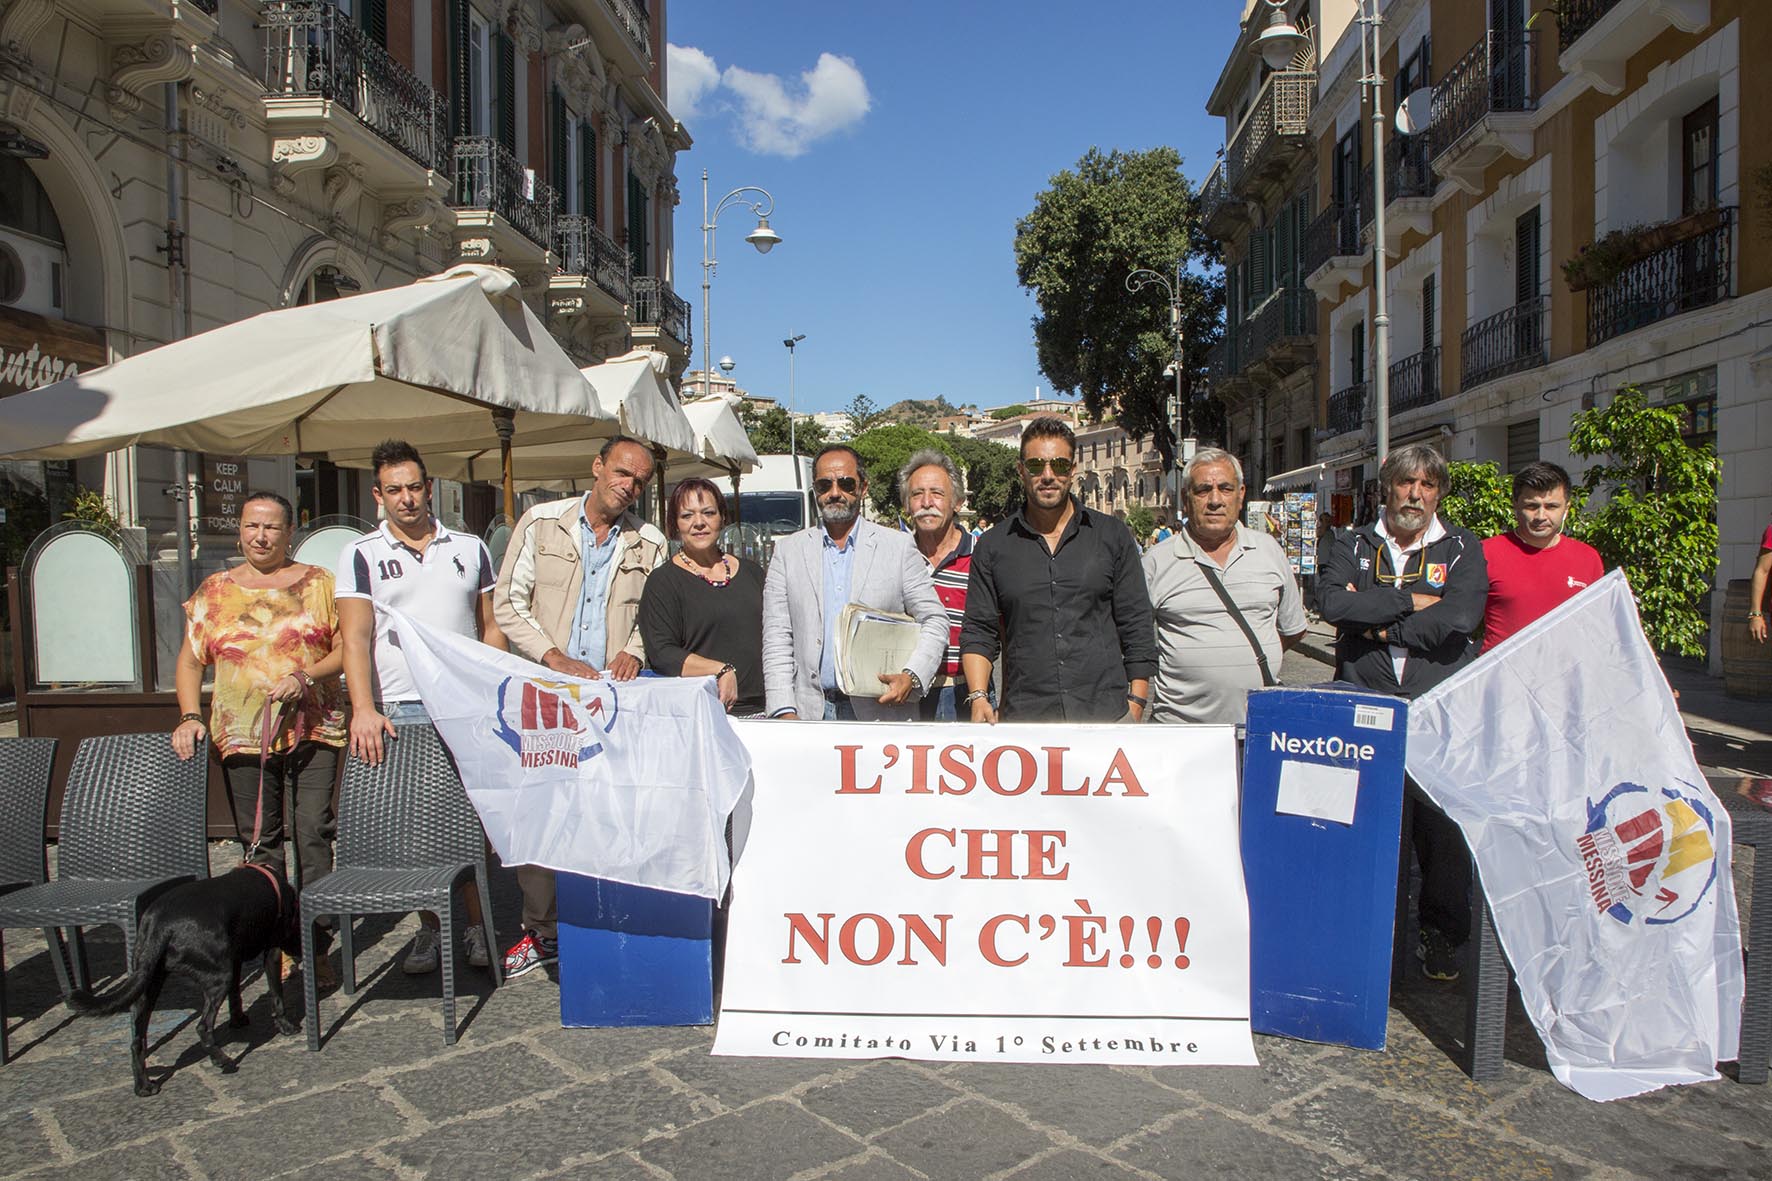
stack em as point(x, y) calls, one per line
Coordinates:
point(870, 643)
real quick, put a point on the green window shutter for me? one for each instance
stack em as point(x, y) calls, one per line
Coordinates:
point(637, 243)
point(557, 145)
point(504, 56)
point(372, 18)
point(460, 89)
point(587, 170)
point(1429, 313)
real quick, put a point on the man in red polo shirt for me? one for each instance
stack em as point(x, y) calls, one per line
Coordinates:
point(1533, 567)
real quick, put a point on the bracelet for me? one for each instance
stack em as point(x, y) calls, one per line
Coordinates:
point(974, 696)
point(726, 668)
point(1756, 615)
point(1140, 702)
point(183, 718)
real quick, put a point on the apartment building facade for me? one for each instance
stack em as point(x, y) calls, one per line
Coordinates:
point(169, 166)
point(1611, 123)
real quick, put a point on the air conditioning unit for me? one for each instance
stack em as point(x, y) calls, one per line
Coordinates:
point(32, 273)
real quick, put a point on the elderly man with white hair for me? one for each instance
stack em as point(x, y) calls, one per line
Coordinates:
point(931, 492)
point(1225, 600)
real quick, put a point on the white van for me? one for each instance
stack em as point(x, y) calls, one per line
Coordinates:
point(775, 499)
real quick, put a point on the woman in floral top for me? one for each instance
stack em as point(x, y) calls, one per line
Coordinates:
point(270, 629)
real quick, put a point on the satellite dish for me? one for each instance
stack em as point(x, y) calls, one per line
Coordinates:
point(1414, 112)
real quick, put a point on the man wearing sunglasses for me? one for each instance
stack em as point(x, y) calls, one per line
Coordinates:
point(1058, 590)
point(1405, 594)
point(814, 574)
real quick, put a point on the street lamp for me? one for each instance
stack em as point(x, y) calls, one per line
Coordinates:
point(1277, 44)
point(763, 238)
point(791, 341)
point(1280, 41)
point(1137, 281)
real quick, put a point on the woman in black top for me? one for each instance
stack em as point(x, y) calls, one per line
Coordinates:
point(701, 614)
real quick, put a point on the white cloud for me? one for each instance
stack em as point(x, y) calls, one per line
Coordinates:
point(830, 97)
point(690, 75)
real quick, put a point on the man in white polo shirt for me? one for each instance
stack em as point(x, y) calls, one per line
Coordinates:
point(433, 575)
point(1226, 603)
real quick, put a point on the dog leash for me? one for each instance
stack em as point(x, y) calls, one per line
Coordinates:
point(273, 717)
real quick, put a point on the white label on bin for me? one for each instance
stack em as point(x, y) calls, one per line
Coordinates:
point(1318, 791)
point(1374, 717)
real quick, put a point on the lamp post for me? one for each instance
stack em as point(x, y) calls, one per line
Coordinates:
point(1137, 281)
point(1276, 45)
point(763, 238)
point(791, 341)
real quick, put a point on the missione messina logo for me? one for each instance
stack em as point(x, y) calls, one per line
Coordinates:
point(1649, 855)
point(554, 723)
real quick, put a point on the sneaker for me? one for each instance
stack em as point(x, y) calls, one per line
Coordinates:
point(1438, 956)
point(475, 944)
point(531, 951)
point(423, 956)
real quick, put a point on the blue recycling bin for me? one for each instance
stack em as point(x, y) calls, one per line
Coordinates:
point(633, 956)
point(1321, 824)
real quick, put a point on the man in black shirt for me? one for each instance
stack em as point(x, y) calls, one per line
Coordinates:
point(1060, 591)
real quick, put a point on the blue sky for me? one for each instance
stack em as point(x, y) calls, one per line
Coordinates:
point(899, 165)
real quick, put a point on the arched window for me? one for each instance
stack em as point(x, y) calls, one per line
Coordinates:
point(33, 253)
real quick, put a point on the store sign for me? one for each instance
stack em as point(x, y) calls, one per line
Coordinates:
point(36, 350)
point(224, 487)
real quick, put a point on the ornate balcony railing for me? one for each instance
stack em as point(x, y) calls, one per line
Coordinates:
point(656, 303)
point(1576, 17)
point(1407, 171)
point(212, 7)
point(1289, 312)
point(632, 18)
point(314, 50)
point(1218, 360)
point(1278, 118)
point(1507, 342)
point(1335, 231)
point(1694, 272)
point(1213, 195)
point(1494, 77)
point(1415, 381)
point(584, 249)
point(1347, 409)
point(488, 176)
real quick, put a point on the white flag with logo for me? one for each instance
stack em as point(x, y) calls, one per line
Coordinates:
point(1604, 854)
point(627, 781)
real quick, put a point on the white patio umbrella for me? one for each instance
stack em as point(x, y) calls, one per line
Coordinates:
point(633, 387)
point(425, 362)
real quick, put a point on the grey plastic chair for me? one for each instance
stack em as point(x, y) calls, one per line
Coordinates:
point(407, 837)
point(132, 821)
point(1752, 825)
point(26, 765)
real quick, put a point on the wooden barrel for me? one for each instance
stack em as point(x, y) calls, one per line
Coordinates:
point(1747, 664)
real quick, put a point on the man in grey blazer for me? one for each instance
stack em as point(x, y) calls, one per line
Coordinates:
point(814, 574)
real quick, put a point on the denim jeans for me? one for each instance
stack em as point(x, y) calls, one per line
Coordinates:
point(838, 710)
point(405, 713)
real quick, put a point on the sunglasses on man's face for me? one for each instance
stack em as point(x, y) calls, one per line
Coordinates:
point(1059, 467)
point(846, 483)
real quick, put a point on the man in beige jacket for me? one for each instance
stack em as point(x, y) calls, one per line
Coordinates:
point(568, 596)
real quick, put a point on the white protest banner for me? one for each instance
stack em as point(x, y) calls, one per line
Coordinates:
point(1062, 893)
point(631, 782)
point(1603, 852)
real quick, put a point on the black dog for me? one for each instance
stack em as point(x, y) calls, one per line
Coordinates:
point(205, 929)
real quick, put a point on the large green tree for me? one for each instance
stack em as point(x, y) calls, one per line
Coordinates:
point(1113, 214)
point(863, 415)
point(992, 481)
point(769, 432)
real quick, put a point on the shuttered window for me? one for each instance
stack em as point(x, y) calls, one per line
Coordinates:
point(1430, 310)
point(504, 65)
point(1357, 352)
point(1526, 256)
point(460, 69)
point(587, 170)
point(372, 18)
point(559, 146)
point(637, 222)
point(1522, 444)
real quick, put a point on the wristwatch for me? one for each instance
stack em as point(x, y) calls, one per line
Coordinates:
point(916, 682)
point(974, 696)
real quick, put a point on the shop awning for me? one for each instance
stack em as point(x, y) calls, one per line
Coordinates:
point(1296, 480)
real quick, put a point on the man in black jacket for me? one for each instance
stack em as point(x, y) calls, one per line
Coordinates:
point(1404, 594)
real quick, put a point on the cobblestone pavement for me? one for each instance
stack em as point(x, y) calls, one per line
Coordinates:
point(521, 1097)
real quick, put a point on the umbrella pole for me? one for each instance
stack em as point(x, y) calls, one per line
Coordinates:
point(505, 423)
point(737, 504)
point(658, 466)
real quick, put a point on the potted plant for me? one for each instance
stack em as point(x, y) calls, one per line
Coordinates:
point(1605, 258)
